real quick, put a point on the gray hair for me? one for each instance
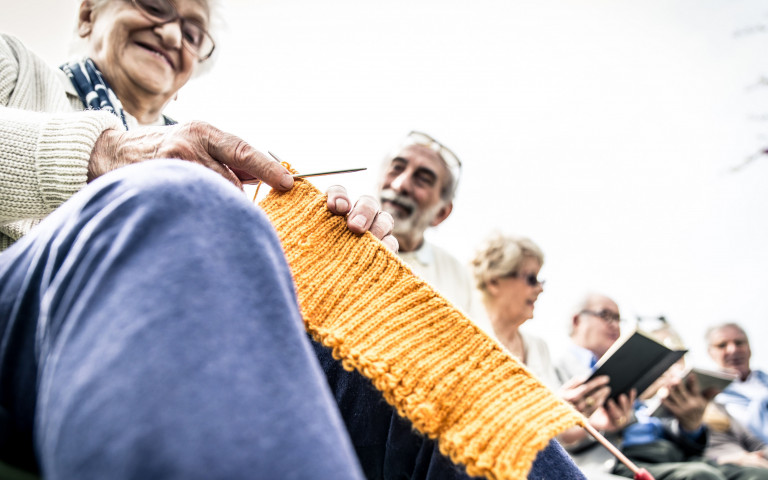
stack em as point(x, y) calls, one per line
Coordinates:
point(582, 305)
point(716, 328)
point(500, 255)
point(451, 183)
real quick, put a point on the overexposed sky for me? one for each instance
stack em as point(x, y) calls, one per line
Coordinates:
point(605, 130)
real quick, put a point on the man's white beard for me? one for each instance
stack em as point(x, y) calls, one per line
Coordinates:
point(410, 225)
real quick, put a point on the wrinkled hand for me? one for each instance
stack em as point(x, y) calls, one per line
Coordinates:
point(686, 403)
point(586, 397)
point(198, 142)
point(364, 216)
point(614, 416)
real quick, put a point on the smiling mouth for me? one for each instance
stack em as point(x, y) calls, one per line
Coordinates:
point(399, 206)
point(157, 52)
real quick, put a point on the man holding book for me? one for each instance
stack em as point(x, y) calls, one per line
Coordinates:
point(746, 399)
point(669, 446)
point(594, 328)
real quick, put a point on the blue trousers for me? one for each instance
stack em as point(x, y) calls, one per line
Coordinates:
point(150, 329)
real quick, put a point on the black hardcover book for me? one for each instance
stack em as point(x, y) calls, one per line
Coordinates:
point(635, 361)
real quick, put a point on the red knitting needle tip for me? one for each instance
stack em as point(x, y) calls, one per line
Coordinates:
point(640, 473)
point(643, 474)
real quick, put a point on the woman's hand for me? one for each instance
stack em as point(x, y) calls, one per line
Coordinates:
point(198, 142)
point(232, 158)
point(364, 216)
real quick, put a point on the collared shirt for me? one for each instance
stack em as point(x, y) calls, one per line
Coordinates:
point(585, 357)
point(747, 402)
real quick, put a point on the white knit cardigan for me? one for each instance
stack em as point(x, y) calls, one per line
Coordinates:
point(46, 139)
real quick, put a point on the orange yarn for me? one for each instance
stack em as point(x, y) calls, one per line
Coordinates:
point(435, 366)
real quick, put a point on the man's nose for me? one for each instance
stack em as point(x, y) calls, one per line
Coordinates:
point(170, 34)
point(401, 183)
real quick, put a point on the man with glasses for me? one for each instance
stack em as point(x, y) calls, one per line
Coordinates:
point(670, 446)
point(594, 328)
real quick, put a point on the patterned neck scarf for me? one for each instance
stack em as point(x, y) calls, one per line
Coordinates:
point(94, 91)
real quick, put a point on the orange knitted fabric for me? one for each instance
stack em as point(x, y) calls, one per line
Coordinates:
point(429, 361)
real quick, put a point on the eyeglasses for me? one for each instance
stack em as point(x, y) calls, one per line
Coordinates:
point(531, 280)
point(450, 158)
point(604, 315)
point(194, 37)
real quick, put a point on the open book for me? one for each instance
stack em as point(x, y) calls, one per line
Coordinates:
point(711, 383)
point(635, 361)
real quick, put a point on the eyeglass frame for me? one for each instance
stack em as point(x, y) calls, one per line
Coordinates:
point(449, 157)
point(177, 16)
point(603, 315)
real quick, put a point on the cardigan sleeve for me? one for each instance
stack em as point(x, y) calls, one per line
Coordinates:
point(45, 146)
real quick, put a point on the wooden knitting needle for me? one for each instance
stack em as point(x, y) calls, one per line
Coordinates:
point(640, 473)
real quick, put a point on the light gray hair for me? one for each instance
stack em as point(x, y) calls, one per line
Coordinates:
point(500, 255)
point(716, 328)
point(584, 302)
point(450, 184)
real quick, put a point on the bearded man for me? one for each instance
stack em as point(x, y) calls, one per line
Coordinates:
point(417, 187)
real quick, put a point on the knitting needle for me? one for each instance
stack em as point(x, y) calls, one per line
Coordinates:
point(303, 175)
point(640, 473)
point(254, 181)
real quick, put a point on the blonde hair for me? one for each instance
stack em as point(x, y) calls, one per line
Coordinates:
point(501, 255)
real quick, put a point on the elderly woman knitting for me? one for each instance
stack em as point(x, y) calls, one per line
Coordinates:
point(149, 322)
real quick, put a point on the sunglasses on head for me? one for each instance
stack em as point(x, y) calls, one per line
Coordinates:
point(450, 158)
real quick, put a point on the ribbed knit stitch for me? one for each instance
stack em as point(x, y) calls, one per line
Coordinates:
point(437, 368)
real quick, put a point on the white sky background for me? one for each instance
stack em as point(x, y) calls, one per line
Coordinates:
point(605, 130)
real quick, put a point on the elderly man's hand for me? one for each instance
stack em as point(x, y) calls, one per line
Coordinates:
point(685, 401)
point(196, 142)
point(364, 216)
point(586, 397)
point(615, 415)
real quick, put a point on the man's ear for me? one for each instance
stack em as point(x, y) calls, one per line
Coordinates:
point(575, 322)
point(442, 214)
point(85, 18)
